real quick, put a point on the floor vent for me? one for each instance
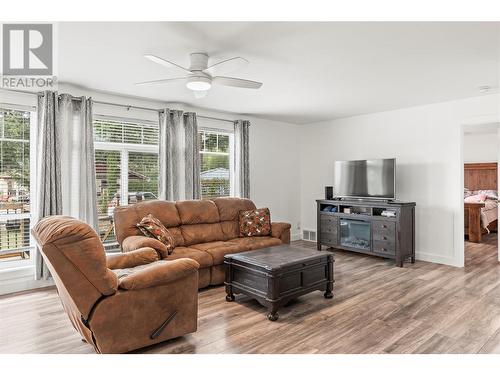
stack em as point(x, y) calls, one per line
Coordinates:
point(308, 235)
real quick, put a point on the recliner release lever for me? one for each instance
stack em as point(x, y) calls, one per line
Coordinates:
point(157, 332)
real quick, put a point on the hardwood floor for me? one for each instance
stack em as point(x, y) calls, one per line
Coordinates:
point(377, 308)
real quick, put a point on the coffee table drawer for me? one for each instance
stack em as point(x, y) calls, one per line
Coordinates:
point(303, 279)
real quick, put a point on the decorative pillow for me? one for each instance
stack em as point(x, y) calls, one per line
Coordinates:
point(475, 199)
point(150, 226)
point(255, 223)
point(490, 194)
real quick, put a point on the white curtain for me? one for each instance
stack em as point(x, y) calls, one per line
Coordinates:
point(179, 161)
point(242, 158)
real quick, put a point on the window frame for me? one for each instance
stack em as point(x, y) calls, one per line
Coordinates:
point(232, 171)
point(124, 149)
point(27, 264)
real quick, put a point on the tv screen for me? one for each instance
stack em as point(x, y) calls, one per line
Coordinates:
point(374, 178)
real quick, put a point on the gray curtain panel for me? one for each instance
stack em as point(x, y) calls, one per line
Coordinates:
point(79, 198)
point(179, 162)
point(65, 162)
point(242, 158)
point(48, 163)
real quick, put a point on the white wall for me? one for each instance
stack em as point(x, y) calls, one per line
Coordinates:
point(427, 142)
point(480, 147)
point(274, 169)
point(274, 156)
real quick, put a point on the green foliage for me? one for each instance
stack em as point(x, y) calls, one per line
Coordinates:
point(15, 152)
point(146, 165)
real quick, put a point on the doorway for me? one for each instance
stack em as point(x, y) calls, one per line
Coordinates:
point(480, 171)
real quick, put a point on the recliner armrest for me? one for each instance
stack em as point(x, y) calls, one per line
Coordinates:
point(131, 259)
point(281, 231)
point(136, 242)
point(159, 273)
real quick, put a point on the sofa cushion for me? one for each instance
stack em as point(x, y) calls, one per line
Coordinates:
point(253, 243)
point(218, 249)
point(177, 235)
point(229, 208)
point(150, 226)
point(203, 258)
point(199, 233)
point(230, 229)
point(198, 212)
point(126, 217)
point(255, 223)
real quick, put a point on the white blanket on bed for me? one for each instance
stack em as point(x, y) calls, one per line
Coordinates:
point(489, 212)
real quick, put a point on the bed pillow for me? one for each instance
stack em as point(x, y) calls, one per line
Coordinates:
point(475, 199)
point(150, 226)
point(490, 194)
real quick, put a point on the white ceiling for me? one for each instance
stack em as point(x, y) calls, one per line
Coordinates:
point(311, 71)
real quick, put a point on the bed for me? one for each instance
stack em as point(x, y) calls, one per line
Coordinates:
point(480, 200)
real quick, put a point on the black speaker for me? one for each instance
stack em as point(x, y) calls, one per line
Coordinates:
point(329, 192)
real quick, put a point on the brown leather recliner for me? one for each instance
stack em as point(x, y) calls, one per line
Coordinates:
point(118, 302)
point(204, 230)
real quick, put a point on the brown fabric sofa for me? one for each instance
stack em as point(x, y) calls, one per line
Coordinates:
point(204, 230)
point(118, 302)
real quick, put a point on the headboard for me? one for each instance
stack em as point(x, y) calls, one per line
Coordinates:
point(480, 176)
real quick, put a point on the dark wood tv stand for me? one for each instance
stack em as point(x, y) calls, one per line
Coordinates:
point(357, 225)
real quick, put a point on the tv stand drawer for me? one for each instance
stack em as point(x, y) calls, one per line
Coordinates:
point(386, 228)
point(384, 236)
point(384, 247)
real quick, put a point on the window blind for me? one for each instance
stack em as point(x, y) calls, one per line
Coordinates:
point(125, 132)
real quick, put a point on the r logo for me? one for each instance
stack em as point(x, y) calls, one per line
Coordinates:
point(27, 49)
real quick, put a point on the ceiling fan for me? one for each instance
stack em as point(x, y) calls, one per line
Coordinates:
point(200, 76)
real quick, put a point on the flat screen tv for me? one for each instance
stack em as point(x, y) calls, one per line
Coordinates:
point(372, 179)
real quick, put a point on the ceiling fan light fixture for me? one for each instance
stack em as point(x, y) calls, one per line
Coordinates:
point(199, 83)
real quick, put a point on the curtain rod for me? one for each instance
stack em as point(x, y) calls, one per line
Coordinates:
point(123, 105)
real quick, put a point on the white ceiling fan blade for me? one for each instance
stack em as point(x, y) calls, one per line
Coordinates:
point(160, 81)
point(226, 66)
point(237, 82)
point(164, 62)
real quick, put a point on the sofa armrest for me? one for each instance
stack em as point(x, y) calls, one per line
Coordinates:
point(136, 242)
point(159, 273)
point(281, 231)
point(134, 258)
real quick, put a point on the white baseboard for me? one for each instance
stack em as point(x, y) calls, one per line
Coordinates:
point(296, 236)
point(435, 258)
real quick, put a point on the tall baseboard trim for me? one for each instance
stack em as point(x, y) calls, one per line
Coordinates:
point(434, 258)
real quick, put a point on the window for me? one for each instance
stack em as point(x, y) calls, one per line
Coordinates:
point(126, 163)
point(216, 163)
point(15, 199)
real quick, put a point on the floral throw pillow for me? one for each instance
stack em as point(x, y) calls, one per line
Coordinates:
point(150, 226)
point(255, 223)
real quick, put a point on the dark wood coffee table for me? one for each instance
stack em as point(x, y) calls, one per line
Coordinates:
point(275, 275)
